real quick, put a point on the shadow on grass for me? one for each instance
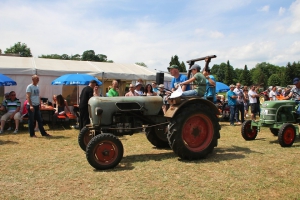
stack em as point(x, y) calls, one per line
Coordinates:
point(7, 142)
point(224, 154)
point(127, 161)
point(295, 144)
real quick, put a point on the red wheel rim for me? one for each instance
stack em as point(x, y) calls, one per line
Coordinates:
point(251, 132)
point(106, 152)
point(289, 135)
point(197, 132)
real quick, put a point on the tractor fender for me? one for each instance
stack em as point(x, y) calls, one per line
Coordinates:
point(171, 112)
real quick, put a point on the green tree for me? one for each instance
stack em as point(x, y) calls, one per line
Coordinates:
point(245, 78)
point(274, 80)
point(65, 57)
point(221, 72)
point(229, 74)
point(20, 49)
point(75, 57)
point(141, 64)
point(175, 61)
point(51, 56)
point(89, 55)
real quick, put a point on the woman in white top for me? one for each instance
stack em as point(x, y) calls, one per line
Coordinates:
point(273, 94)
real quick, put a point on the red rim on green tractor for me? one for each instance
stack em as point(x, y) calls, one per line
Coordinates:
point(251, 132)
point(289, 135)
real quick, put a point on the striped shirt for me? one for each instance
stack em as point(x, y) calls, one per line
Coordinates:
point(11, 106)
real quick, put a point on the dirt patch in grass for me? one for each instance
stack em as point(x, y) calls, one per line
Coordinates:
point(56, 168)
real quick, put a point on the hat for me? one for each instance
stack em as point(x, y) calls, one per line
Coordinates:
point(161, 86)
point(173, 67)
point(232, 86)
point(295, 81)
point(137, 83)
point(195, 66)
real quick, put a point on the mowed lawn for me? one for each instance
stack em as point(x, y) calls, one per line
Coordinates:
point(56, 168)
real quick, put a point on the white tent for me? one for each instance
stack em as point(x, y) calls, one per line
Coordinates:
point(21, 69)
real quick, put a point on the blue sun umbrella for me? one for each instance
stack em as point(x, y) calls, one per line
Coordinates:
point(221, 87)
point(75, 79)
point(6, 81)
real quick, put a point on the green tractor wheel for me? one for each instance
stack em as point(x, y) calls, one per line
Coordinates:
point(286, 135)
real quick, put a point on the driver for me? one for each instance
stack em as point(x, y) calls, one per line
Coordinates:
point(295, 93)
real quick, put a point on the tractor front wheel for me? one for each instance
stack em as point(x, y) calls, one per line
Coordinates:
point(104, 151)
point(286, 135)
point(248, 133)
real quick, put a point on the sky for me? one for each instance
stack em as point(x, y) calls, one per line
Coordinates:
point(244, 32)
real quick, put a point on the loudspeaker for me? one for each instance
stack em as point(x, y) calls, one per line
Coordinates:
point(160, 78)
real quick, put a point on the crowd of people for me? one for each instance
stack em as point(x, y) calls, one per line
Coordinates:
point(201, 84)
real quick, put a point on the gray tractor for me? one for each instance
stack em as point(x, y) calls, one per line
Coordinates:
point(190, 127)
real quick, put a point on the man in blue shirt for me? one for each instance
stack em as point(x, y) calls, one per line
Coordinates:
point(210, 93)
point(177, 78)
point(231, 97)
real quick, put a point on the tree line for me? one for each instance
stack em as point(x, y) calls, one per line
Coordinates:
point(263, 74)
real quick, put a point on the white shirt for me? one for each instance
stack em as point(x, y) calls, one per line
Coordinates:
point(252, 99)
point(272, 95)
point(240, 94)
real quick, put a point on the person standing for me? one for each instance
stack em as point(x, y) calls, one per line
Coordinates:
point(246, 102)
point(131, 91)
point(85, 95)
point(113, 92)
point(210, 93)
point(253, 102)
point(33, 107)
point(239, 104)
point(232, 97)
point(177, 78)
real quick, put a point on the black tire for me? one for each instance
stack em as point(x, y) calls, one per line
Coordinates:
point(85, 136)
point(286, 135)
point(104, 151)
point(248, 133)
point(157, 138)
point(193, 132)
point(274, 131)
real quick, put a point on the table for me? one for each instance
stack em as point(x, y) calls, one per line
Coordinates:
point(48, 109)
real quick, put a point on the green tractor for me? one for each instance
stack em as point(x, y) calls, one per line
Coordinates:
point(280, 117)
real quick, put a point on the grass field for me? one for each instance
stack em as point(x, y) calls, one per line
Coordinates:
point(56, 168)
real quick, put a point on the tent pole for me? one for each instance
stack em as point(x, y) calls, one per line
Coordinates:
point(103, 93)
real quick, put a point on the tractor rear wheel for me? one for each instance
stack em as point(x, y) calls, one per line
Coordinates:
point(286, 135)
point(248, 133)
point(104, 151)
point(193, 132)
point(274, 131)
